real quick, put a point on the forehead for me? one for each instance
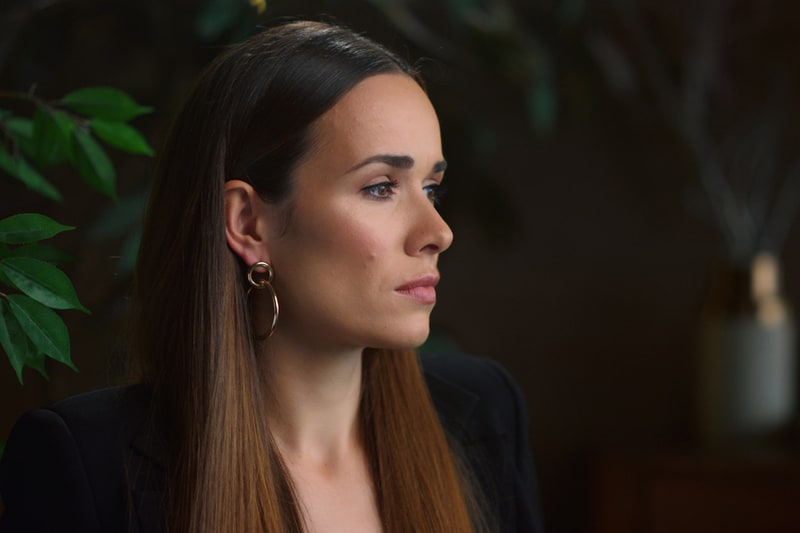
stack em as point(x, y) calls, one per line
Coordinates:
point(386, 113)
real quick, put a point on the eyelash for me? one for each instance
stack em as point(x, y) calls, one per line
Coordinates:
point(435, 192)
point(387, 186)
point(385, 190)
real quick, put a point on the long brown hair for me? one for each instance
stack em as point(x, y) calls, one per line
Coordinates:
point(249, 117)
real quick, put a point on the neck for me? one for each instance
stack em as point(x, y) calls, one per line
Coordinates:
point(315, 397)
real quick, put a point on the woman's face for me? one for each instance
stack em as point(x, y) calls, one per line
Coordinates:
point(356, 264)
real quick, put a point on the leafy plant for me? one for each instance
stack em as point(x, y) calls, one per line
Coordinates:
point(69, 131)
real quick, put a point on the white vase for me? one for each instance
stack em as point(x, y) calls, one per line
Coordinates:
point(747, 358)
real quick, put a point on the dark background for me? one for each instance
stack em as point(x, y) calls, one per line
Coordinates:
point(583, 243)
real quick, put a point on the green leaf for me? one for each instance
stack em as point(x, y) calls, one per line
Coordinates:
point(21, 129)
point(22, 170)
point(51, 136)
point(17, 346)
point(104, 102)
point(216, 17)
point(29, 227)
point(121, 135)
point(44, 328)
point(36, 360)
point(40, 251)
point(12, 339)
point(41, 281)
point(5, 252)
point(93, 164)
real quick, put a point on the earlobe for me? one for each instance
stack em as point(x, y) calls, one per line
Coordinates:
point(244, 225)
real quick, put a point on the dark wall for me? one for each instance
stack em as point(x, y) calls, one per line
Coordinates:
point(577, 259)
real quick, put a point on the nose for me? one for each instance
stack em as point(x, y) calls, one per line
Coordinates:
point(430, 233)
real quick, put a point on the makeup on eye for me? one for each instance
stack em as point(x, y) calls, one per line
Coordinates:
point(382, 190)
point(386, 189)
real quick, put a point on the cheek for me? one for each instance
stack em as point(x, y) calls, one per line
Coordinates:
point(336, 237)
point(365, 256)
point(363, 244)
point(341, 240)
point(358, 234)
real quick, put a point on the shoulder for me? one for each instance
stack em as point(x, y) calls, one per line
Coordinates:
point(483, 411)
point(105, 411)
point(74, 458)
point(86, 420)
point(93, 422)
point(478, 375)
point(473, 393)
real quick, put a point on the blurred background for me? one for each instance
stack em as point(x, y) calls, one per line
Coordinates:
point(623, 182)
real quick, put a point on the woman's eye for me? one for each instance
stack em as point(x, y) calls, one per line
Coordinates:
point(381, 190)
point(435, 192)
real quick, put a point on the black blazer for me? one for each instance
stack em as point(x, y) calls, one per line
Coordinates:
point(90, 463)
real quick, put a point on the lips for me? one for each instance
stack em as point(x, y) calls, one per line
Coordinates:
point(422, 289)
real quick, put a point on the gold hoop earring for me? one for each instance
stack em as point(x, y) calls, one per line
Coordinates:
point(264, 283)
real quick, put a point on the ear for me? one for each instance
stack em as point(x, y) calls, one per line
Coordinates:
point(245, 224)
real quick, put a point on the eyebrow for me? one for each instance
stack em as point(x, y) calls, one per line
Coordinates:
point(397, 161)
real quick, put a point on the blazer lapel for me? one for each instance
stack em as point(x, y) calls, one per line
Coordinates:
point(454, 405)
point(146, 473)
point(478, 437)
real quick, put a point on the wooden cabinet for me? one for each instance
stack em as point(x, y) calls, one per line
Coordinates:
point(697, 492)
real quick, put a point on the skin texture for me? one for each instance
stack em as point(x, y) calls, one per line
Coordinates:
point(346, 250)
point(349, 246)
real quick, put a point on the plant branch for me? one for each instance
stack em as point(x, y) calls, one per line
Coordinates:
point(20, 96)
point(784, 212)
point(685, 109)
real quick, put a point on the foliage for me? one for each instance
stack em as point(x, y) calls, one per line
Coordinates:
point(77, 131)
point(69, 131)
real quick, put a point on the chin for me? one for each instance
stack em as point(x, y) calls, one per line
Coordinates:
point(409, 340)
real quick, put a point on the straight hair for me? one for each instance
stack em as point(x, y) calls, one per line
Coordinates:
point(250, 117)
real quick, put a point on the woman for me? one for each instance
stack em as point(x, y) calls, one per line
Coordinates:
point(286, 273)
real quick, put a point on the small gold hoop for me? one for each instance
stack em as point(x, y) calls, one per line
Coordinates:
point(264, 283)
point(261, 283)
